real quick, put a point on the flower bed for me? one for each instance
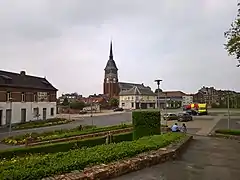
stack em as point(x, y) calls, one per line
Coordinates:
point(41, 123)
point(235, 132)
point(39, 166)
point(62, 146)
point(59, 134)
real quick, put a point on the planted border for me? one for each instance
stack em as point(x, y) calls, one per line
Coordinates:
point(40, 166)
point(234, 132)
point(63, 146)
point(41, 123)
point(59, 134)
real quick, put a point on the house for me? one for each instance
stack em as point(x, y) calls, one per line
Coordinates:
point(207, 95)
point(186, 100)
point(137, 98)
point(171, 99)
point(25, 98)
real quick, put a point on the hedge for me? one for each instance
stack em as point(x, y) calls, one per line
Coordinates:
point(234, 132)
point(58, 134)
point(63, 146)
point(145, 123)
point(40, 166)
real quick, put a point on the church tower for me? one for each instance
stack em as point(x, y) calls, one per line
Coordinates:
point(110, 85)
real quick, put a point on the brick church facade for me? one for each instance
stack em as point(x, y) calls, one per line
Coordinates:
point(111, 85)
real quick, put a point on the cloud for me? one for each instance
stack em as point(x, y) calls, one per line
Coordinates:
point(68, 41)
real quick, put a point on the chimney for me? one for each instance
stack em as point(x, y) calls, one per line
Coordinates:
point(22, 73)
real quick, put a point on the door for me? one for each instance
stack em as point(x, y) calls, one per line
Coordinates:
point(1, 112)
point(23, 115)
point(8, 116)
point(44, 113)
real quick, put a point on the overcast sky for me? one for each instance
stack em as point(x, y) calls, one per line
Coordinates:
point(67, 41)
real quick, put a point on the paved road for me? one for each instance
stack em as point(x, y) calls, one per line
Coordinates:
point(205, 159)
point(234, 123)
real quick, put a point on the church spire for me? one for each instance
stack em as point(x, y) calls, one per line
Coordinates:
point(111, 52)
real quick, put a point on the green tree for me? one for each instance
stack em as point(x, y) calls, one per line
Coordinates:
point(65, 102)
point(77, 105)
point(114, 102)
point(233, 38)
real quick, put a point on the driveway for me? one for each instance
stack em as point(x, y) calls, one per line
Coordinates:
point(205, 159)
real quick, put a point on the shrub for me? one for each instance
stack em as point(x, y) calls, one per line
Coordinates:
point(234, 132)
point(63, 133)
point(145, 123)
point(39, 166)
point(63, 146)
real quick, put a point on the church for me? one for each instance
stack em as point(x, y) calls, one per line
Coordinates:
point(128, 93)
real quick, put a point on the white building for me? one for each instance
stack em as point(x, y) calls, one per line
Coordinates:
point(25, 98)
point(137, 98)
point(186, 100)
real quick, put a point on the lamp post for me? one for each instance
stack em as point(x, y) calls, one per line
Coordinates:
point(228, 110)
point(158, 81)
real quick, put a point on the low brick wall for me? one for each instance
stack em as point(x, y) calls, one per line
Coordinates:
point(107, 171)
point(85, 136)
point(226, 136)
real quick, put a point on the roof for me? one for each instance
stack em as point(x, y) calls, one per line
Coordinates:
point(172, 94)
point(125, 85)
point(22, 80)
point(136, 90)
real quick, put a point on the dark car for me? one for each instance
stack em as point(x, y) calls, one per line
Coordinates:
point(192, 112)
point(118, 109)
point(184, 117)
point(170, 116)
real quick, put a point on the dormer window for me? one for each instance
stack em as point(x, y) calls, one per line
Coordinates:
point(23, 97)
point(35, 97)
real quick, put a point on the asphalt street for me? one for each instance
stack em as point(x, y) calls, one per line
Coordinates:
point(206, 158)
point(105, 120)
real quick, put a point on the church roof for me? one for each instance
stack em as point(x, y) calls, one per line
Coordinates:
point(111, 63)
point(125, 85)
point(138, 90)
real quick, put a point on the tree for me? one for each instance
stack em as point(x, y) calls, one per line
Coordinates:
point(233, 38)
point(114, 102)
point(77, 105)
point(65, 102)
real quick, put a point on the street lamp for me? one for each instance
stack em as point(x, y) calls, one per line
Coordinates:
point(158, 81)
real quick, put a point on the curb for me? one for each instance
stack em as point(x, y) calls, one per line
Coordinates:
point(115, 169)
point(225, 136)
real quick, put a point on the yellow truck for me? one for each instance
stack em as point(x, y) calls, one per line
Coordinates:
point(202, 109)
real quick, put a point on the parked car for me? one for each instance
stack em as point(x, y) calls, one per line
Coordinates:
point(192, 112)
point(170, 116)
point(83, 112)
point(184, 117)
point(118, 109)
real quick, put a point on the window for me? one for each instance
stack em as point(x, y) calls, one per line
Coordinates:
point(9, 96)
point(132, 105)
point(35, 112)
point(52, 111)
point(35, 97)
point(23, 96)
point(123, 104)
